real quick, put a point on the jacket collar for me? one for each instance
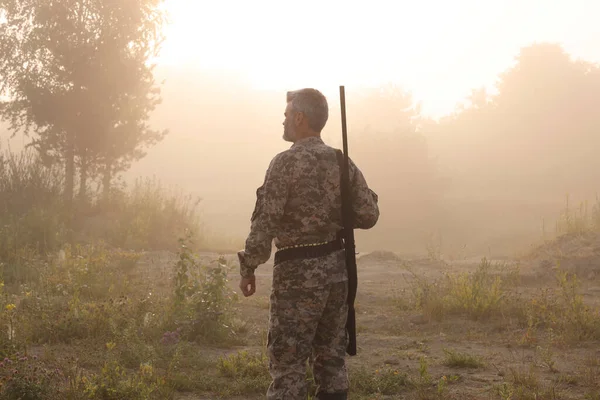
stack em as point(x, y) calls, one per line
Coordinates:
point(308, 141)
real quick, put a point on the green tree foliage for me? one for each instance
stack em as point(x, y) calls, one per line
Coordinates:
point(78, 75)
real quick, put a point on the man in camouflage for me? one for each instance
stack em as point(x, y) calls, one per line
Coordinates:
point(299, 206)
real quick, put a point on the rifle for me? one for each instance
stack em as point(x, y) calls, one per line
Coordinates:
point(348, 232)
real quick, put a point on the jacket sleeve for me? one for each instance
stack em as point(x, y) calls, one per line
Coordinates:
point(271, 199)
point(364, 200)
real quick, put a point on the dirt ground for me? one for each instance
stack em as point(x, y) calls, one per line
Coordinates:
point(395, 335)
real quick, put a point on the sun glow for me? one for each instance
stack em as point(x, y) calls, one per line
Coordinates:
point(439, 50)
point(274, 44)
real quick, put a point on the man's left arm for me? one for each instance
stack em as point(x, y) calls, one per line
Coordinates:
point(364, 200)
point(271, 198)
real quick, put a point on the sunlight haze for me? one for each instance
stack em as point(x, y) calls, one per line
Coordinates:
point(142, 180)
point(439, 50)
point(440, 170)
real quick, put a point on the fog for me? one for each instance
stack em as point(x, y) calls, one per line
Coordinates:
point(490, 179)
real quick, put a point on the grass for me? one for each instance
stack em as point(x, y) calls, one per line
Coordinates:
point(478, 295)
point(456, 359)
point(123, 325)
point(384, 380)
point(129, 336)
point(488, 296)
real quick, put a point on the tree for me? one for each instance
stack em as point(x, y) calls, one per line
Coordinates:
point(78, 75)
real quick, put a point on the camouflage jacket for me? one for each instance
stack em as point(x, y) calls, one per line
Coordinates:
point(300, 203)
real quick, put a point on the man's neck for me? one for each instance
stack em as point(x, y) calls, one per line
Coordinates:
point(307, 139)
point(308, 135)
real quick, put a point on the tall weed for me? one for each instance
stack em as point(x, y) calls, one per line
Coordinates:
point(480, 294)
point(31, 206)
point(149, 215)
point(580, 219)
point(145, 216)
point(202, 300)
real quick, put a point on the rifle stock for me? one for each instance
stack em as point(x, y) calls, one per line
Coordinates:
point(348, 232)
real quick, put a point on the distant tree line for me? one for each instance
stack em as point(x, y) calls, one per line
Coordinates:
point(535, 134)
point(541, 127)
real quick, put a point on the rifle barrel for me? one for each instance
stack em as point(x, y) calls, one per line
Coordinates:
point(344, 127)
point(349, 245)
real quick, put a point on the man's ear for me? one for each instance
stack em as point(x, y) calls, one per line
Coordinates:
point(298, 118)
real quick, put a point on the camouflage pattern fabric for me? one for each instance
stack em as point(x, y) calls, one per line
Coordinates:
point(300, 203)
point(307, 322)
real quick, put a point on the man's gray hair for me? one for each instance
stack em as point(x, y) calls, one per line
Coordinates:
point(311, 103)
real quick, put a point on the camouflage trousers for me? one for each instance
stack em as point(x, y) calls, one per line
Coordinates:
point(307, 324)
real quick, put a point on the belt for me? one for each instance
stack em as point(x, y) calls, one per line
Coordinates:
point(308, 251)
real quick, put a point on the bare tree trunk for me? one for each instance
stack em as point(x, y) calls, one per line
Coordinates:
point(69, 171)
point(83, 175)
point(106, 180)
point(69, 184)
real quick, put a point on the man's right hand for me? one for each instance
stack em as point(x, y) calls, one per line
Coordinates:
point(248, 286)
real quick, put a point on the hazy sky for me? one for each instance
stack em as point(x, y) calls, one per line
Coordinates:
point(438, 49)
